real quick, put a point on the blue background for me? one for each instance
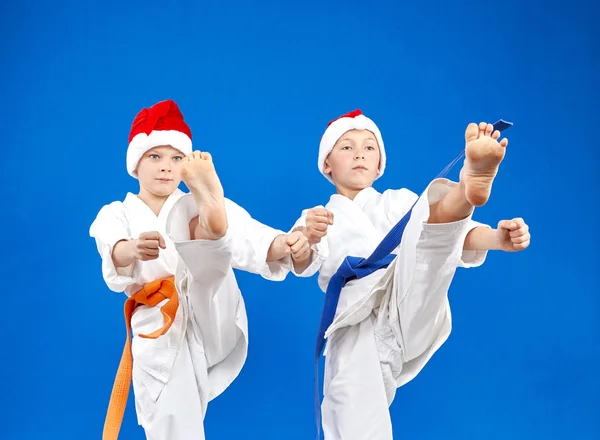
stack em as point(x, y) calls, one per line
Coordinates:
point(258, 81)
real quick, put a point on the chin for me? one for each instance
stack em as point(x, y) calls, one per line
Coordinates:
point(361, 185)
point(163, 191)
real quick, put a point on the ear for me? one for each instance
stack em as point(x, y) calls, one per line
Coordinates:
point(326, 167)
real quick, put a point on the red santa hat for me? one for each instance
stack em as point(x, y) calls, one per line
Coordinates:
point(354, 120)
point(161, 124)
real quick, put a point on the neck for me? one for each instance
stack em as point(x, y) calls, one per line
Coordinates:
point(348, 192)
point(154, 202)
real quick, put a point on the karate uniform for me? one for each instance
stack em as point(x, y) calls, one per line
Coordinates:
point(389, 324)
point(176, 375)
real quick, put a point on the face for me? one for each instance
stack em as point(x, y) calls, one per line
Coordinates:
point(353, 163)
point(159, 170)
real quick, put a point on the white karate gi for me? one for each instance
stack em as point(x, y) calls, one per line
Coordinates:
point(177, 374)
point(389, 324)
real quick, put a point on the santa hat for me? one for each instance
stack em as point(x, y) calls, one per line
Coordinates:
point(161, 124)
point(335, 129)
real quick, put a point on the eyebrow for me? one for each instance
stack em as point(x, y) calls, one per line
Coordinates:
point(164, 152)
point(351, 140)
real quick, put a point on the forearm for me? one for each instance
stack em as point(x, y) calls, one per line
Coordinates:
point(482, 238)
point(277, 251)
point(123, 253)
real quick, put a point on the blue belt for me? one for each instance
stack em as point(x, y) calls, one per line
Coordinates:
point(353, 268)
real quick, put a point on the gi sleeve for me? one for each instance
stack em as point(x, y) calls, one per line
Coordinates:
point(109, 227)
point(251, 241)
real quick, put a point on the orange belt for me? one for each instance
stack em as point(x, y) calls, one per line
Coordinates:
point(150, 295)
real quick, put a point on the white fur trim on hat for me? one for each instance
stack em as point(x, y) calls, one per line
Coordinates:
point(340, 126)
point(141, 143)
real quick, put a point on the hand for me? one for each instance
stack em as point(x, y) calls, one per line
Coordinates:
point(146, 246)
point(299, 246)
point(513, 235)
point(317, 222)
point(283, 245)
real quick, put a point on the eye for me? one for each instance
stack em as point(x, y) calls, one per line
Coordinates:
point(154, 156)
point(370, 147)
point(177, 158)
point(346, 147)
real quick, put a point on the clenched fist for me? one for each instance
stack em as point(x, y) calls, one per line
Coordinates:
point(283, 245)
point(146, 246)
point(299, 246)
point(317, 222)
point(513, 235)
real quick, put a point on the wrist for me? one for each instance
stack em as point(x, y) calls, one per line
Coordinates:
point(301, 264)
point(493, 240)
point(483, 238)
point(498, 240)
point(303, 260)
point(124, 253)
point(130, 246)
point(277, 248)
point(301, 229)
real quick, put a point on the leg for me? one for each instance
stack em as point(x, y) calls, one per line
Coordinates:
point(213, 294)
point(208, 282)
point(355, 405)
point(419, 311)
point(178, 413)
point(483, 156)
point(198, 173)
point(219, 315)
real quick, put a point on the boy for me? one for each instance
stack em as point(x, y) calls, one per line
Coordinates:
point(172, 254)
point(387, 325)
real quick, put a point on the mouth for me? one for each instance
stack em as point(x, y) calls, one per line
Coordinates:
point(359, 167)
point(164, 179)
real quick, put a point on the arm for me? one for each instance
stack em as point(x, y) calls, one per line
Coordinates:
point(301, 265)
point(481, 238)
point(110, 229)
point(511, 236)
point(305, 256)
point(122, 254)
point(118, 250)
point(294, 244)
point(313, 224)
point(278, 249)
point(257, 248)
point(144, 248)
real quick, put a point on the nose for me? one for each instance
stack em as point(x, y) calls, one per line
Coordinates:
point(360, 156)
point(165, 168)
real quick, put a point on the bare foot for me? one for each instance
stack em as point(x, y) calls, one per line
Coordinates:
point(483, 155)
point(199, 175)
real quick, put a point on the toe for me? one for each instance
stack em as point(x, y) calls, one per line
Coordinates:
point(472, 132)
